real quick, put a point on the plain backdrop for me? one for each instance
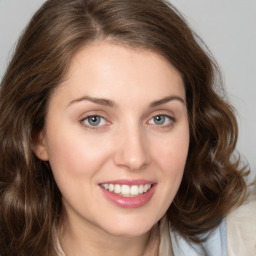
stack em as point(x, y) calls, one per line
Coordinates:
point(228, 27)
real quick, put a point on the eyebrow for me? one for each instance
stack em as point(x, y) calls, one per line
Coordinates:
point(165, 100)
point(110, 103)
point(100, 101)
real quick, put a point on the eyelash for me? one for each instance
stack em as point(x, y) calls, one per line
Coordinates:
point(170, 123)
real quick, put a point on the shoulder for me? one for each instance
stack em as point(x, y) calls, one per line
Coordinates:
point(241, 230)
point(216, 244)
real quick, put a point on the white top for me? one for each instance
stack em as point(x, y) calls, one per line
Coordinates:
point(241, 226)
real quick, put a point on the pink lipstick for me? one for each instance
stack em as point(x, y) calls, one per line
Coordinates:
point(128, 193)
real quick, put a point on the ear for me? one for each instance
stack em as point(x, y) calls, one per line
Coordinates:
point(39, 146)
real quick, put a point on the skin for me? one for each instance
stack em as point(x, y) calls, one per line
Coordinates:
point(127, 144)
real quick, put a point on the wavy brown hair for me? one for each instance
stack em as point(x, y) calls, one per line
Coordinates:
point(30, 201)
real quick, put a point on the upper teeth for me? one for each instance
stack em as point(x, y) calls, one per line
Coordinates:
point(126, 190)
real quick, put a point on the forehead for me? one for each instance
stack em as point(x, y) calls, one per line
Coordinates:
point(104, 67)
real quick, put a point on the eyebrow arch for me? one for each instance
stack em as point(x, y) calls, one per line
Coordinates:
point(100, 101)
point(110, 103)
point(165, 100)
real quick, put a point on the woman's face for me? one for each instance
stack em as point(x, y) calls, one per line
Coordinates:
point(117, 137)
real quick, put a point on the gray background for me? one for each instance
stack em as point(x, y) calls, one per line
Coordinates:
point(227, 27)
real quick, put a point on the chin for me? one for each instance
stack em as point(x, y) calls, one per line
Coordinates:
point(129, 229)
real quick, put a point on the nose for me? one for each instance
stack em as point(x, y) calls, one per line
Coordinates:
point(132, 149)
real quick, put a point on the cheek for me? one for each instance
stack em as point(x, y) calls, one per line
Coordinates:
point(172, 154)
point(74, 154)
point(74, 164)
point(170, 158)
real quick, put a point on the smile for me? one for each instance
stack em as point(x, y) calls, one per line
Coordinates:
point(126, 190)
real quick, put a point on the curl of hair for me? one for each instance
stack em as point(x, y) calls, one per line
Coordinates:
point(30, 201)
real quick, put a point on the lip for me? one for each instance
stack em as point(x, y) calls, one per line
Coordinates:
point(129, 202)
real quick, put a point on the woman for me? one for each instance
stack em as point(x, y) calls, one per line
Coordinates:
point(113, 136)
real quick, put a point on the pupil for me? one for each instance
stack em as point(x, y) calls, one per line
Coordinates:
point(159, 119)
point(94, 120)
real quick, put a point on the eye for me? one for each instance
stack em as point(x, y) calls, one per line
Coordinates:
point(162, 120)
point(94, 121)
